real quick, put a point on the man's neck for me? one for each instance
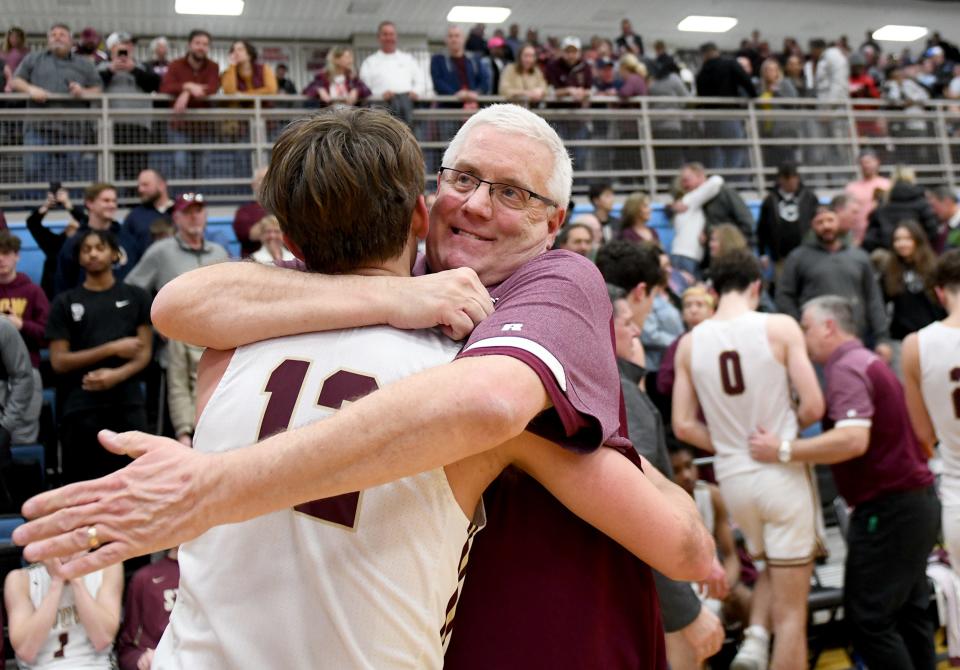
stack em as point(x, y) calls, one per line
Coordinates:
point(732, 304)
point(8, 278)
point(192, 241)
point(832, 247)
point(97, 223)
point(195, 62)
point(99, 281)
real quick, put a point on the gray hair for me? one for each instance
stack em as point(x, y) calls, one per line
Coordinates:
point(836, 308)
point(157, 41)
point(521, 121)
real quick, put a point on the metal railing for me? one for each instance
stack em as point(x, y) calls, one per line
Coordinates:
point(638, 144)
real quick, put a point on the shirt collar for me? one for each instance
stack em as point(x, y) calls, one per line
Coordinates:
point(841, 351)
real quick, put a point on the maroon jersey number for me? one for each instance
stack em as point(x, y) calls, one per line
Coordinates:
point(284, 386)
point(731, 374)
point(955, 377)
point(64, 638)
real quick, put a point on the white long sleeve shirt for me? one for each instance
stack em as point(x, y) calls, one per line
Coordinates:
point(689, 225)
point(397, 72)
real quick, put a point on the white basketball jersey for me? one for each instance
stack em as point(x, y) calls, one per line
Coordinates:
point(362, 580)
point(940, 384)
point(740, 385)
point(67, 644)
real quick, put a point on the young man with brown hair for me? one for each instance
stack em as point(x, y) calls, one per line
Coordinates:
point(100, 199)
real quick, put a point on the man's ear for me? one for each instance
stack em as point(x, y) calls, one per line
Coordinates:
point(294, 249)
point(640, 292)
point(554, 223)
point(420, 219)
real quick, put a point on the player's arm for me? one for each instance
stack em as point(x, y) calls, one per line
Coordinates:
point(800, 370)
point(29, 626)
point(723, 535)
point(221, 306)
point(100, 616)
point(171, 494)
point(916, 408)
point(687, 425)
point(646, 513)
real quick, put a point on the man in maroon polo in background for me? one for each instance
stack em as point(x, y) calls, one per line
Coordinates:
point(193, 77)
point(881, 471)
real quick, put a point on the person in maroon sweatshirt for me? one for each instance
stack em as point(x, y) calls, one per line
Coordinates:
point(150, 598)
point(22, 302)
point(190, 80)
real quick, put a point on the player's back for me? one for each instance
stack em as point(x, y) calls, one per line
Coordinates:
point(939, 347)
point(740, 385)
point(67, 644)
point(361, 580)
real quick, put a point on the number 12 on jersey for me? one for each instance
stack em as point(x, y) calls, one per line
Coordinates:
point(284, 387)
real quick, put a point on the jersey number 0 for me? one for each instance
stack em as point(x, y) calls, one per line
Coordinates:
point(284, 387)
point(731, 374)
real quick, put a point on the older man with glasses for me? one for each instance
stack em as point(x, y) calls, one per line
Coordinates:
point(537, 568)
point(187, 250)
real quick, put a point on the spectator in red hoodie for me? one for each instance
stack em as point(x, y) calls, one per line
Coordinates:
point(22, 302)
point(862, 85)
point(150, 597)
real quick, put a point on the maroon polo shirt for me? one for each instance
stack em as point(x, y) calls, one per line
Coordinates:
point(863, 391)
point(543, 588)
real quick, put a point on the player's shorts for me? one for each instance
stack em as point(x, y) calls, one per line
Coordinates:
point(778, 510)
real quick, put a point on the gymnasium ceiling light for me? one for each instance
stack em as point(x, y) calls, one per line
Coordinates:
point(473, 14)
point(707, 24)
point(894, 33)
point(210, 7)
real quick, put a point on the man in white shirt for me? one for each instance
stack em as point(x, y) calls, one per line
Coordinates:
point(393, 75)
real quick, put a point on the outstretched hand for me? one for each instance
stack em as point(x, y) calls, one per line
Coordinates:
point(150, 505)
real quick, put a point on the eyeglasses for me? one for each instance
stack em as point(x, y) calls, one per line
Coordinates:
point(508, 195)
point(192, 197)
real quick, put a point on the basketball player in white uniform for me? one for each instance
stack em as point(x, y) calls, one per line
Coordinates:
point(931, 383)
point(739, 367)
point(365, 579)
point(58, 624)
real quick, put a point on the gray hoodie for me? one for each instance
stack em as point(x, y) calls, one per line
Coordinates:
point(811, 271)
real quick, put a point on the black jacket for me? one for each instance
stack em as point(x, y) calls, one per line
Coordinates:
point(784, 220)
point(723, 77)
point(907, 202)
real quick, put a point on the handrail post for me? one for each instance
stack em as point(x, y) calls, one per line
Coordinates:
point(754, 133)
point(649, 155)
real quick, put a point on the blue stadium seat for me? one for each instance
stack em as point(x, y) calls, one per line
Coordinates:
point(30, 453)
point(7, 525)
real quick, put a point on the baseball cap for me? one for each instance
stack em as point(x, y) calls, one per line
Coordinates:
point(495, 42)
point(89, 34)
point(184, 200)
point(605, 62)
point(570, 41)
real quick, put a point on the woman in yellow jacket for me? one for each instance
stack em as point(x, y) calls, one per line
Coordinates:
point(245, 74)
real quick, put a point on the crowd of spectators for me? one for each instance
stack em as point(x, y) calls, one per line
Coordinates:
point(474, 64)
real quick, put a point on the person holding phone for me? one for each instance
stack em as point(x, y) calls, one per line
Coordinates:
point(50, 241)
point(123, 74)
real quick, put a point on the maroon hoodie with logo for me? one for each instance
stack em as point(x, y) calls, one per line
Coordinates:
point(26, 300)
